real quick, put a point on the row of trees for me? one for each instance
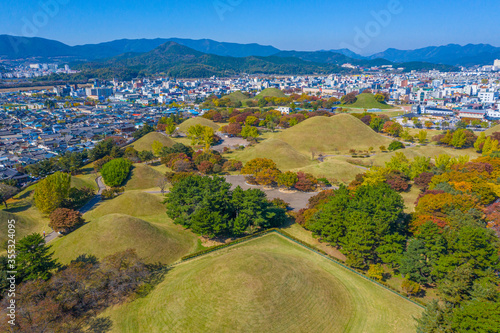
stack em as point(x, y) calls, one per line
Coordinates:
point(209, 207)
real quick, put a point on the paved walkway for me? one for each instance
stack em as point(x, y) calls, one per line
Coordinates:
point(88, 206)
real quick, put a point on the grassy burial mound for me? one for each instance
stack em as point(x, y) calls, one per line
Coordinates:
point(23, 227)
point(333, 168)
point(134, 203)
point(279, 151)
point(268, 284)
point(142, 177)
point(237, 96)
point(492, 130)
point(197, 121)
point(117, 232)
point(271, 92)
point(146, 142)
point(368, 101)
point(328, 135)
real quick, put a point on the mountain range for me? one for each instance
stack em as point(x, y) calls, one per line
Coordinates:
point(13, 47)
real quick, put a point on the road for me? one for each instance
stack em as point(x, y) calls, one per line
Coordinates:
point(88, 206)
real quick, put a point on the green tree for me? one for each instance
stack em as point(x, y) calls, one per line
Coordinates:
point(7, 192)
point(116, 171)
point(422, 136)
point(201, 135)
point(170, 126)
point(157, 147)
point(34, 261)
point(288, 179)
point(51, 192)
point(249, 131)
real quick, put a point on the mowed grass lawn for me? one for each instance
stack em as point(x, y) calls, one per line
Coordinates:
point(268, 284)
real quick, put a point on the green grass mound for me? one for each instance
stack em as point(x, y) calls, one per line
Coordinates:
point(84, 181)
point(265, 285)
point(23, 227)
point(197, 121)
point(271, 92)
point(279, 151)
point(330, 134)
point(237, 96)
point(134, 203)
point(368, 101)
point(146, 142)
point(142, 177)
point(117, 232)
point(492, 130)
point(333, 168)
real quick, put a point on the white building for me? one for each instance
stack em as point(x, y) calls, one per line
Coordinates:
point(487, 97)
point(284, 109)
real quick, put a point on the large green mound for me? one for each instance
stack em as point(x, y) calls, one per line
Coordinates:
point(146, 142)
point(333, 168)
point(265, 285)
point(327, 135)
point(237, 96)
point(142, 177)
point(197, 121)
point(134, 203)
point(117, 232)
point(492, 130)
point(279, 151)
point(368, 101)
point(271, 92)
point(23, 227)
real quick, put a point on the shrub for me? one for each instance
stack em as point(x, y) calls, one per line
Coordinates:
point(376, 272)
point(395, 145)
point(78, 197)
point(306, 182)
point(232, 165)
point(410, 287)
point(116, 171)
point(205, 167)
point(112, 192)
point(64, 220)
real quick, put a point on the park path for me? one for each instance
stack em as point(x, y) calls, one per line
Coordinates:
point(88, 206)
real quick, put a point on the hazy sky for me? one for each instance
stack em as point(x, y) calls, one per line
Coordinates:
point(362, 25)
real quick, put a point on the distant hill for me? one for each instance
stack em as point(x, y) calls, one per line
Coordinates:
point(333, 58)
point(176, 60)
point(452, 54)
point(14, 47)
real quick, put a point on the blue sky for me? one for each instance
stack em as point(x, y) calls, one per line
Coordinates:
point(362, 25)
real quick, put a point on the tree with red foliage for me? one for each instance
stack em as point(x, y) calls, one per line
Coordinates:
point(397, 181)
point(423, 180)
point(306, 182)
point(64, 220)
point(206, 167)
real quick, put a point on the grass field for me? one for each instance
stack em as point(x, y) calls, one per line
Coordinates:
point(270, 92)
point(197, 121)
point(146, 142)
point(87, 180)
point(265, 285)
point(367, 101)
point(333, 168)
point(143, 177)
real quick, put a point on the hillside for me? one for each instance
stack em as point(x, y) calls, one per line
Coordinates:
point(142, 177)
point(284, 155)
point(268, 284)
point(118, 232)
point(127, 203)
point(328, 135)
point(492, 130)
point(146, 142)
point(270, 92)
point(24, 226)
point(183, 127)
point(367, 101)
